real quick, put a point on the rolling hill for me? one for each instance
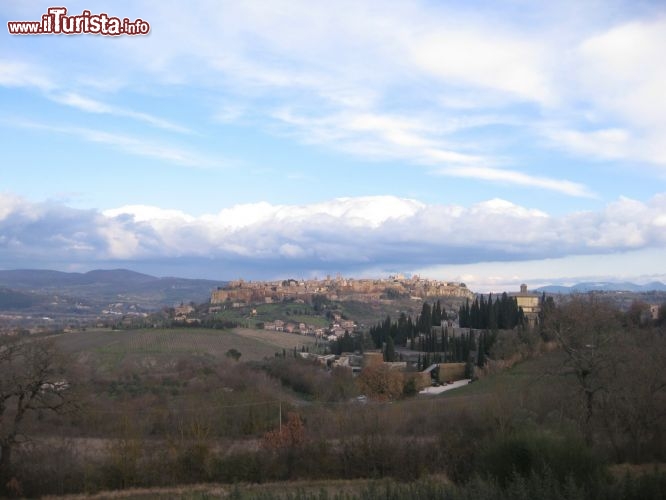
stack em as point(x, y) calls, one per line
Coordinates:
point(102, 287)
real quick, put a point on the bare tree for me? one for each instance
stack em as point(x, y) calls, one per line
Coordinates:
point(587, 330)
point(635, 406)
point(31, 380)
point(618, 371)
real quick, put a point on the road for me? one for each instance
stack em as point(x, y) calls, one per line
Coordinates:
point(444, 388)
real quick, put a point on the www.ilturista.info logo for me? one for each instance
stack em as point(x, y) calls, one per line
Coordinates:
point(56, 22)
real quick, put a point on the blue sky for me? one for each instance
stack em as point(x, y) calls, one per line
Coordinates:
point(491, 142)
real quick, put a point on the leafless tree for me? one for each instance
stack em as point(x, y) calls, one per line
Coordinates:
point(618, 370)
point(586, 329)
point(32, 379)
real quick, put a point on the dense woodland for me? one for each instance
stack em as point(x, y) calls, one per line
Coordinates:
point(584, 391)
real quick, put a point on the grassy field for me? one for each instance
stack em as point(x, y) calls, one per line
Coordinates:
point(363, 313)
point(531, 373)
point(431, 486)
point(112, 350)
point(288, 312)
point(306, 489)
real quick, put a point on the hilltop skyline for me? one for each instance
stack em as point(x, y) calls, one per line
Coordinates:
point(492, 143)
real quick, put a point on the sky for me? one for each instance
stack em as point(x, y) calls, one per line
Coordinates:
point(489, 142)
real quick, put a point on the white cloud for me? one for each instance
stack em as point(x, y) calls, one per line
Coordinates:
point(129, 144)
point(332, 73)
point(418, 140)
point(617, 76)
point(32, 76)
point(89, 105)
point(612, 144)
point(144, 213)
point(375, 227)
point(291, 251)
point(519, 178)
point(120, 243)
point(623, 71)
point(9, 204)
point(21, 74)
point(343, 234)
point(467, 56)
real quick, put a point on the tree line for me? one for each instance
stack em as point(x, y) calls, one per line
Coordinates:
point(405, 329)
point(426, 334)
point(465, 348)
point(485, 314)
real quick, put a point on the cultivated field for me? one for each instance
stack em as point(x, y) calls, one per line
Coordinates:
point(112, 350)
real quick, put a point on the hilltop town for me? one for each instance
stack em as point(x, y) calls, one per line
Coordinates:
point(337, 289)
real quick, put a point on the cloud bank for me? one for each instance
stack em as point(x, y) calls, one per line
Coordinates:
point(348, 235)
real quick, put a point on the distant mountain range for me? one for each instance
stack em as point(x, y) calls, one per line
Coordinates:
point(604, 286)
point(27, 287)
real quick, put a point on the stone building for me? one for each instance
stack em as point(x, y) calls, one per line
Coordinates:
point(530, 302)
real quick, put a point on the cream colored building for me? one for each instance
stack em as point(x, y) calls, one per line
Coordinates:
point(530, 302)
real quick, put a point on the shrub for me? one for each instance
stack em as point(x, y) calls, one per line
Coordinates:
point(527, 453)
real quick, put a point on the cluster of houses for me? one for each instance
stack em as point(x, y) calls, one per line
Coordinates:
point(182, 314)
point(354, 362)
point(446, 372)
point(335, 330)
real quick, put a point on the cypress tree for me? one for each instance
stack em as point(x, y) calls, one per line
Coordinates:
point(389, 354)
point(425, 319)
point(437, 314)
point(480, 356)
